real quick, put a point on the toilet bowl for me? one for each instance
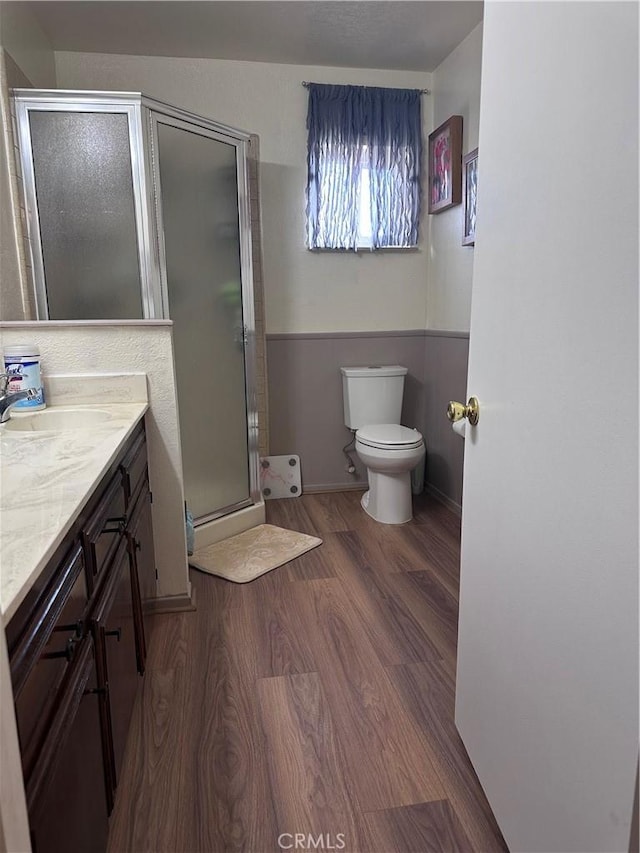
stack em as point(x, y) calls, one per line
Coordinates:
point(372, 398)
point(390, 452)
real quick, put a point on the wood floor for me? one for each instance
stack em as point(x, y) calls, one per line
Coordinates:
point(317, 700)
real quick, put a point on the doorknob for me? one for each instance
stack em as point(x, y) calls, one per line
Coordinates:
point(458, 411)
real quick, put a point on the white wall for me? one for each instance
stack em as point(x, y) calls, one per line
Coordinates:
point(22, 36)
point(14, 823)
point(15, 301)
point(30, 50)
point(304, 291)
point(456, 91)
point(100, 347)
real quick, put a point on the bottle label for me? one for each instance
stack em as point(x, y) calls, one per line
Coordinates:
point(24, 374)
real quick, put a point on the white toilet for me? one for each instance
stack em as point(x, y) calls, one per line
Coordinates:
point(372, 405)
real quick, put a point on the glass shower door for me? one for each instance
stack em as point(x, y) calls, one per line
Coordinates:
point(198, 185)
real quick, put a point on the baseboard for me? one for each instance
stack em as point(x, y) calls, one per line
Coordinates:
point(171, 603)
point(320, 488)
point(440, 496)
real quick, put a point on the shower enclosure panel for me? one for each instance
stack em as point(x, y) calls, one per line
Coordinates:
point(139, 210)
point(87, 194)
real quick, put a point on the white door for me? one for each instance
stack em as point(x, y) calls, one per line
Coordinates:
point(547, 688)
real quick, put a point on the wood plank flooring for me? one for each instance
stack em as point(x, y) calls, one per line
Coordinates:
point(317, 700)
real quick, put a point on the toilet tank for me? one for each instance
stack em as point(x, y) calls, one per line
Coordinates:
point(372, 395)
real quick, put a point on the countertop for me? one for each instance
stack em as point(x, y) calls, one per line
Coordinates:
point(45, 480)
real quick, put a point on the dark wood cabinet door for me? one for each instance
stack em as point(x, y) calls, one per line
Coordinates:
point(67, 804)
point(43, 655)
point(101, 533)
point(140, 532)
point(114, 631)
point(134, 468)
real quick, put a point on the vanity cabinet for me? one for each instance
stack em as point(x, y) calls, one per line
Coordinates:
point(77, 648)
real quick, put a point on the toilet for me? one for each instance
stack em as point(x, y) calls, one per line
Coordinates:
point(372, 398)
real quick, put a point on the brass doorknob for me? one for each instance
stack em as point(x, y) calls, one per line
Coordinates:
point(458, 411)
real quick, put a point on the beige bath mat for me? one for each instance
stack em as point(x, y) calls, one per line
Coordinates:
point(250, 554)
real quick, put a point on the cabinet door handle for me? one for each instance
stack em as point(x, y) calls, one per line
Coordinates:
point(100, 691)
point(77, 627)
point(120, 523)
point(68, 652)
point(117, 633)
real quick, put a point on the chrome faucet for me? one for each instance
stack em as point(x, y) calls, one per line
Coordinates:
point(7, 400)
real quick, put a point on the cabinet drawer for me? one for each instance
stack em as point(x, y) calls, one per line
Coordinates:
point(101, 534)
point(42, 657)
point(134, 467)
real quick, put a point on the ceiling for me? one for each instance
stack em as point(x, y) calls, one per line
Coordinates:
point(412, 36)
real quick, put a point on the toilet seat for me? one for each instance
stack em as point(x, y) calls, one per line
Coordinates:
point(389, 437)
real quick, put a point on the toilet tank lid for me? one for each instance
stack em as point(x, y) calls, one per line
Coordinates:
point(373, 370)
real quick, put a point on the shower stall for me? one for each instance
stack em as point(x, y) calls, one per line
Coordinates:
point(140, 210)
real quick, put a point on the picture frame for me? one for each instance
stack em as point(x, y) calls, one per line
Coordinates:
point(469, 196)
point(445, 165)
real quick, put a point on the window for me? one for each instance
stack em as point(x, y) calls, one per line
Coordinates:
point(364, 237)
point(363, 181)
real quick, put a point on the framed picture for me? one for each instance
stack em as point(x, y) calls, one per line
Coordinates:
point(445, 165)
point(469, 194)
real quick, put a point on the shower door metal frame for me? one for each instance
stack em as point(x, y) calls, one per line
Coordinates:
point(70, 101)
point(161, 113)
point(143, 114)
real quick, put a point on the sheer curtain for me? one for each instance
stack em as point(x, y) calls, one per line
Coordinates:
point(357, 132)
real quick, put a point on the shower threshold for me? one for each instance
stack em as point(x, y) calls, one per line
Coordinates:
point(208, 532)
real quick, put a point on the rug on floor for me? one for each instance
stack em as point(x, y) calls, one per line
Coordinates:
point(254, 552)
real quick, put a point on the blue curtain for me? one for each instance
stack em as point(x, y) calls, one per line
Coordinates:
point(351, 128)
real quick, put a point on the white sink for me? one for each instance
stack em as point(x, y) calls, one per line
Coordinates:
point(52, 420)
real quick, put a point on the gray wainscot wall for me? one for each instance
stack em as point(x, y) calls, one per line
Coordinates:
point(305, 400)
